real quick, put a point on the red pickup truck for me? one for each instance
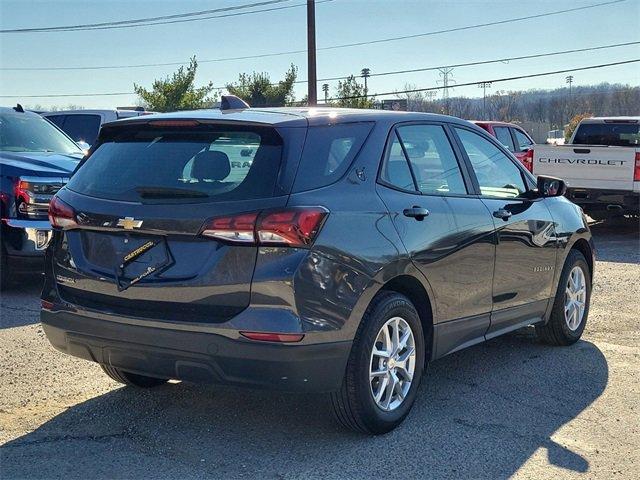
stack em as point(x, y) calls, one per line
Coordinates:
point(514, 138)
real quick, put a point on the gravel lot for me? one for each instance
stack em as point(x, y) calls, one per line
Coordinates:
point(509, 407)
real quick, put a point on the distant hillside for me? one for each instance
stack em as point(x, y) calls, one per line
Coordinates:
point(551, 107)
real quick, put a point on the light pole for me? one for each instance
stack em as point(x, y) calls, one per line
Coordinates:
point(484, 86)
point(325, 89)
point(365, 73)
point(311, 54)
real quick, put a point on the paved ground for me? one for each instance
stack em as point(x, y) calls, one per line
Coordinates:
point(508, 407)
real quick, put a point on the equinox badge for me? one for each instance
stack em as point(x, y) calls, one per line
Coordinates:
point(129, 223)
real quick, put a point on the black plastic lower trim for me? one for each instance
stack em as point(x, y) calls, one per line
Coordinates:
point(198, 356)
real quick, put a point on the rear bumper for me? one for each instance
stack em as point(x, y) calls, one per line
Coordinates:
point(198, 356)
point(596, 199)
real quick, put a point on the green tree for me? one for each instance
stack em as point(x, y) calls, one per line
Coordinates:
point(349, 88)
point(573, 124)
point(258, 91)
point(177, 92)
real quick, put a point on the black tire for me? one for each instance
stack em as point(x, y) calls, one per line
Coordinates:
point(556, 331)
point(132, 379)
point(354, 405)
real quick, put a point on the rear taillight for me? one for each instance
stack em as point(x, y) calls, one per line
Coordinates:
point(636, 169)
point(294, 227)
point(61, 215)
point(237, 229)
point(527, 160)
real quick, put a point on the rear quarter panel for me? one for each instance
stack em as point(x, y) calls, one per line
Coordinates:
point(356, 252)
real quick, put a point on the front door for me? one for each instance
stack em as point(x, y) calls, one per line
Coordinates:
point(526, 244)
point(447, 232)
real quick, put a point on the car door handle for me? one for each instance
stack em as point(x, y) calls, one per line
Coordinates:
point(416, 212)
point(502, 213)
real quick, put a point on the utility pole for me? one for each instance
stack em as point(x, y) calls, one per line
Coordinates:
point(325, 89)
point(569, 80)
point(311, 54)
point(445, 73)
point(365, 73)
point(484, 86)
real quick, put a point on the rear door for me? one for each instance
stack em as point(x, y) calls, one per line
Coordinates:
point(504, 137)
point(446, 231)
point(525, 234)
point(522, 143)
point(142, 201)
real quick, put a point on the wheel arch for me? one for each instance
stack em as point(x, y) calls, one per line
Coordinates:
point(584, 247)
point(414, 290)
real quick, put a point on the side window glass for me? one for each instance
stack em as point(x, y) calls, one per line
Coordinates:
point(522, 140)
point(328, 153)
point(56, 119)
point(497, 175)
point(432, 159)
point(83, 127)
point(504, 137)
point(395, 169)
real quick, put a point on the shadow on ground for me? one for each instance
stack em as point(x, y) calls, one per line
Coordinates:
point(480, 413)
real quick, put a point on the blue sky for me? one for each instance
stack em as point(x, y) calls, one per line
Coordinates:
point(338, 22)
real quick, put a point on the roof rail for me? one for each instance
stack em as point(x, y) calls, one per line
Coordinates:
point(231, 102)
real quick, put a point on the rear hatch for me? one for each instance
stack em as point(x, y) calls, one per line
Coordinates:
point(134, 213)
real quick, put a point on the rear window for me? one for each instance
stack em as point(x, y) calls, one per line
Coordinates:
point(148, 164)
point(328, 153)
point(618, 134)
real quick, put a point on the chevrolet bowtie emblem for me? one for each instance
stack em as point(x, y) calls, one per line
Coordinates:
point(129, 223)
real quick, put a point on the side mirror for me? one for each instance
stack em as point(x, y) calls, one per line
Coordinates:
point(551, 187)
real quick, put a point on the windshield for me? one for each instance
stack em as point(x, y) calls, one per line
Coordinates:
point(618, 134)
point(21, 132)
point(211, 162)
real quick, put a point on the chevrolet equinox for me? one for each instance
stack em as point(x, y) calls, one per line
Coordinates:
point(307, 249)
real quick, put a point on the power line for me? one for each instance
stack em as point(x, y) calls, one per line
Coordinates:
point(292, 52)
point(469, 27)
point(470, 64)
point(496, 80)
point(505, 79)
point(142, 21)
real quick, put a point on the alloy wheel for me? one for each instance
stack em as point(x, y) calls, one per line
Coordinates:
point(393, 361)
point(575, 298)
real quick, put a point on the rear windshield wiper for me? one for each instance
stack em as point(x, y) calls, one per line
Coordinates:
point(169, 192)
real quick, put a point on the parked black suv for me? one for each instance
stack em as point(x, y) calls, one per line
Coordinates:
point(307, 249)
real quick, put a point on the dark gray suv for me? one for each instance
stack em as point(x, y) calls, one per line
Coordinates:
point(306, 249)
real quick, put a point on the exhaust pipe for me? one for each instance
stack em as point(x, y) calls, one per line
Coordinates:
point(614, 207)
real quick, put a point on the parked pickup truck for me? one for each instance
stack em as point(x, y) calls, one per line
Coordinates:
point(36, 160)
point(600, 164)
